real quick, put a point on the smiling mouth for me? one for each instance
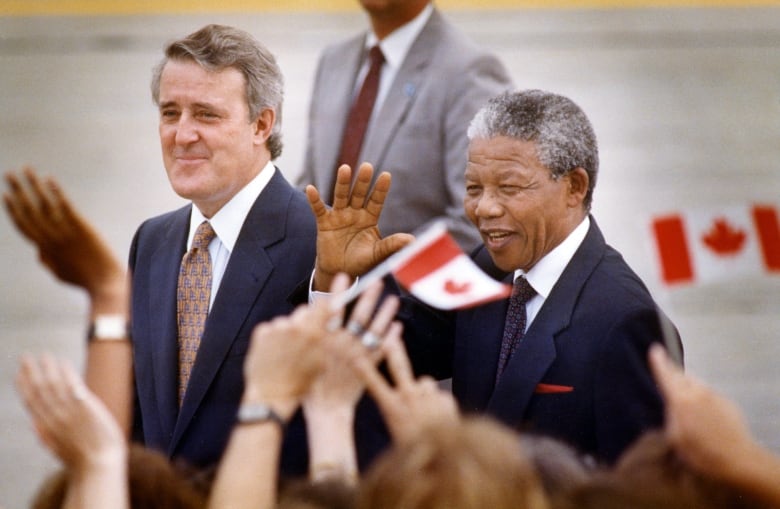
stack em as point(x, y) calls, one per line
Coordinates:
point(496, 236)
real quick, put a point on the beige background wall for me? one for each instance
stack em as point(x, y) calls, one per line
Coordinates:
point(685, 101)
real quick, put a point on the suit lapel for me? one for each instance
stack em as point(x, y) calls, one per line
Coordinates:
point(537, 351)
point(247, 271)
point(164, 274)
point(402, 93)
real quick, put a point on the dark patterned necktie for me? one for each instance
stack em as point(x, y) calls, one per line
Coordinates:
point(360, 113)
point(192, 301)
point(514, 326)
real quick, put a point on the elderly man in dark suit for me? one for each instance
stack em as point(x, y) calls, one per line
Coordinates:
point(431, 81)
point(566, 355)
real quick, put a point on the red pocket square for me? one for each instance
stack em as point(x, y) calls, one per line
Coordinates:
point(552, 389)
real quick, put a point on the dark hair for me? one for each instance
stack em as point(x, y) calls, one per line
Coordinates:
point(563, 135)
point(218, 47)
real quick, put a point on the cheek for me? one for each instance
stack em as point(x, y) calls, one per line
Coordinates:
point(469, 206)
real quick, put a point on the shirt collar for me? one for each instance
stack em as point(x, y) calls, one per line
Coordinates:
point(228, 220)
point(396, 45)
point(548, 270)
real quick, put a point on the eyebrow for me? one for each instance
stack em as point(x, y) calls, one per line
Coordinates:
point(202, 105)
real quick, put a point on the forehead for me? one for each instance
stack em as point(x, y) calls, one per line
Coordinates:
point(181, 79)
point(503, 154)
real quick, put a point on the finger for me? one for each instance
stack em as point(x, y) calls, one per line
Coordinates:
point(397, 359)
point(376, 200)
point(391, 244)
point(667, 375)
point(315, 202)
point(336, 303)
point(381, 321)
point(341, 187)
point(365, 363)
point(362, 184)
point(364, 308)
point(39, 192)
point(21, 208)
point(61, 202)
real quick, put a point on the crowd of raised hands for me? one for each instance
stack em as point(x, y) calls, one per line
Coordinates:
point(317, 359)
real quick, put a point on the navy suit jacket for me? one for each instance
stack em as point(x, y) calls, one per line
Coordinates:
point(580, 373)
point(274, 251)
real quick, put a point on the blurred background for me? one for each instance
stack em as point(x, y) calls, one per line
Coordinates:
point(684, 97)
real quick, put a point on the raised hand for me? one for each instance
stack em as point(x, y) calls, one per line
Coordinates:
point(409, 405)
point(70, 420)
point(286, 355)
point(348, 239)
point(67, 243)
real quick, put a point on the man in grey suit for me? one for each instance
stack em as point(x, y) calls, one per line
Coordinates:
point(431, 83)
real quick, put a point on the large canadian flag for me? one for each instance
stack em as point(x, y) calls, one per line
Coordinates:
point(705, 245)
point(434, 269)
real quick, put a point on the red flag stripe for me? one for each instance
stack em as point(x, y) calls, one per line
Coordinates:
point(676, 266)
point(768, 229)
point(438, 253)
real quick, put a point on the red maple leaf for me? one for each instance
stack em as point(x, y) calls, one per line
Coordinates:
point(454, 287)
point(724, 239)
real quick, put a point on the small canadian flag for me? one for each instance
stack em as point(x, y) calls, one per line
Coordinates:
point(705, 245)
point(434, 269)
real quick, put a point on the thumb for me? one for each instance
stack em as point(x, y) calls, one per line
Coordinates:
point(391, 245)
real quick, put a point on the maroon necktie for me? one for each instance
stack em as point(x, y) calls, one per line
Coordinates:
point(192, 301)
point(360, 113)
point(514, 326)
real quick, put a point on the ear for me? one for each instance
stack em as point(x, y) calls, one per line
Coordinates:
point(264, 124)
point(578, 181)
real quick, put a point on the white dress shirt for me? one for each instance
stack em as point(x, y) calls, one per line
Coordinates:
point(543, 276)
point(227, 223)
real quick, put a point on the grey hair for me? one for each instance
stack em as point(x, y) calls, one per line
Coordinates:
point(563, 135)
point(218, 47)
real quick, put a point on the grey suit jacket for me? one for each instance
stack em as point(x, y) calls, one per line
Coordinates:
point(419, 135)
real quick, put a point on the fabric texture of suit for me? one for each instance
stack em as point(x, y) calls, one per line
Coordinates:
point(418, 135)
point(587, 347)
point(274, 252)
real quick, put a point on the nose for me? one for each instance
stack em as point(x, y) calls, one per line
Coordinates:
point(186, 130)
point(488, 205)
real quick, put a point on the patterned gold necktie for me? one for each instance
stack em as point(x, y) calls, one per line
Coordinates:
point(192, 301)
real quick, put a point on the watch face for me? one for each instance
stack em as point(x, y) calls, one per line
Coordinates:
point(109, 327)
point(258, 412)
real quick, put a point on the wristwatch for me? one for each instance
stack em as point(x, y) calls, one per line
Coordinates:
point(257, 413)
point(108, 328)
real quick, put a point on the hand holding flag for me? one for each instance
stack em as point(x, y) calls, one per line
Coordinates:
point(434, 269)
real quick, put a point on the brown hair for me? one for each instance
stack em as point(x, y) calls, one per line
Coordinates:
point(473, 464)
point(153, 481)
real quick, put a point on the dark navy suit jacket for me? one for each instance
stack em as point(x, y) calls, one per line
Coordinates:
point(274, 252)
point(579, 374)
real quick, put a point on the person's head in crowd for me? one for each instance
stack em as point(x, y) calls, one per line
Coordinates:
point(469, 464)
point(532, 166)
point(219, 92)
point(651, 475)
point(331, 493)
point(560, 467)
point(153, 481)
